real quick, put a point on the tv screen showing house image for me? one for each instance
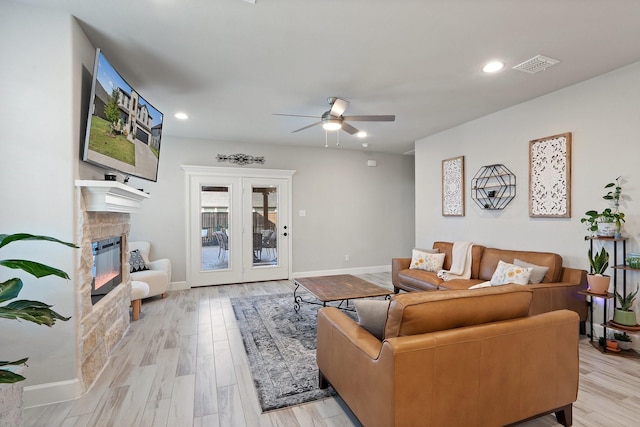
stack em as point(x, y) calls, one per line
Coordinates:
point(123, 129)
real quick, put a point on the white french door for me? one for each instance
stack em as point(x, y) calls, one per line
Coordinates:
point(237, 225)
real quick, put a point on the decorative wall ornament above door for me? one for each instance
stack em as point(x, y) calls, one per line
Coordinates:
point(240, 159)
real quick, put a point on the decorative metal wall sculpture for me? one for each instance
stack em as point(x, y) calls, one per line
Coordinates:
point(240, 159)
point(550, 177)
point(493, 187)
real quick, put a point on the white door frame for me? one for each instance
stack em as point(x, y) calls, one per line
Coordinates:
point(196, 173)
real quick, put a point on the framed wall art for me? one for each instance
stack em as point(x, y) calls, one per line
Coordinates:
point(550, 177)
point(453, 186)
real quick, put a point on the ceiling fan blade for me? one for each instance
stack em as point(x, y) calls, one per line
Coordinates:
point(338, 107)
point(384, 118)
point(349, 129)
point(295, 115)
point(306, 127)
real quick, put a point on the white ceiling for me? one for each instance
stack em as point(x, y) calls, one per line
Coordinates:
point(231, 64)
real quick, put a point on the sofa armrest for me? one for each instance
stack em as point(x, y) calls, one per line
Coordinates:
point(161, 265)
point(561, 295)
point(397, 265)
point(575, 276)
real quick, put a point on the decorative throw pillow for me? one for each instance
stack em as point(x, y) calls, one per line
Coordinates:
point(538, 272)
point(136, 262)
point(426, 261)
point(372, 315)
point(510, 273)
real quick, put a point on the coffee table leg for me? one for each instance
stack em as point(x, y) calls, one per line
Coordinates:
point(296, 299)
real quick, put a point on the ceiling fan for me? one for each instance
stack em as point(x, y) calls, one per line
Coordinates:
point(333, 119)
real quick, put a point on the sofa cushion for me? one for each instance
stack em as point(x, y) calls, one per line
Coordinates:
point(372, 315)
point(422, 312)
point(491, 257)
point(458, 284)
point(427, 261)
point(538, 272)
point(420, 279)
point(510, 273)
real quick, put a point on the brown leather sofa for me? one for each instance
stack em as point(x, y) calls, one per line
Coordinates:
point(458, 358)
point(558, 290)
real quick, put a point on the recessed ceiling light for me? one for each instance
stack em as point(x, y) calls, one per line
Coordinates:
point(181, 116)
point(361, 134)
point(365, 144)
point(493, 66)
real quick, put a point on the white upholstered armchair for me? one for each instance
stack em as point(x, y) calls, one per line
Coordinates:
point(158, 275)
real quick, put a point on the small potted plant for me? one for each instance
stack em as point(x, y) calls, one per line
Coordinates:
point(597, 280)
point(607, 223)
point(624, 315)
point(624, 340)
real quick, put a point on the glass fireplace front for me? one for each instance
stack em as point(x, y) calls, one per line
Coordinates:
point(107, 267)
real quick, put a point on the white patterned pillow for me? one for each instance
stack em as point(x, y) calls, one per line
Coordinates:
point(426, 261)
point(510, 273)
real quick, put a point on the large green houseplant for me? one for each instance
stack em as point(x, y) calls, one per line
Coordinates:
point(31, 311)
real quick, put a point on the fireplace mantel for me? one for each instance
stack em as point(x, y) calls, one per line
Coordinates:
point(111, 196)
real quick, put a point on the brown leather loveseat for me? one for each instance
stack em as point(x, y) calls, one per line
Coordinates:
point(558, 290)
point(458, 358)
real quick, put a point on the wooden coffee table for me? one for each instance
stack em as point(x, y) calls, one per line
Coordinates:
point(342, 287)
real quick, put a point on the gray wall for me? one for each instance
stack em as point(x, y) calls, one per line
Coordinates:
point(39, 83)
point(601, 114)
point(365, 212)
point(45, 87)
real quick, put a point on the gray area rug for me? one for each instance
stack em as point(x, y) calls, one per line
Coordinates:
point(281, 348)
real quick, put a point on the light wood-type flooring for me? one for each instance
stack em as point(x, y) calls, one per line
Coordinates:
point(183, 364)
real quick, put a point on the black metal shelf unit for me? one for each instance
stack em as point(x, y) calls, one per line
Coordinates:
point(619, 263)
point(493, 187)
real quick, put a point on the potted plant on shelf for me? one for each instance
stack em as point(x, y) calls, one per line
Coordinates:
point(624, 340)
point(607, 223)
point(597, 280)
point(624, 315)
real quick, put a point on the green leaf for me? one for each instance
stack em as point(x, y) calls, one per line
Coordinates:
point(10, 289)
point(16, 362)
point(34, 268)
point(8, 377)
point(5, 239)
point(609, 185)
point(31, 311)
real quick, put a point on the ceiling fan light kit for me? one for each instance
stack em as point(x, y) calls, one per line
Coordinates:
point(332, 124)
point(334, 120)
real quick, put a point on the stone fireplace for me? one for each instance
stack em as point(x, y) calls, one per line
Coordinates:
point(105, 214)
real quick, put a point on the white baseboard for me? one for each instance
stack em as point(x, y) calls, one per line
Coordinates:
point(356, 270)
point(45, 394)
point(179, 286)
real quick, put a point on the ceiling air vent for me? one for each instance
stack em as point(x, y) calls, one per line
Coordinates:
point(535, 64)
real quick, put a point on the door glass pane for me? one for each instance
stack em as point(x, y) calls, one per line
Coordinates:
point(264, 204)
point(214, 226)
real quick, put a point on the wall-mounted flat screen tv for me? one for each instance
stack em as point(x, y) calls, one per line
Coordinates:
point(123, 128)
